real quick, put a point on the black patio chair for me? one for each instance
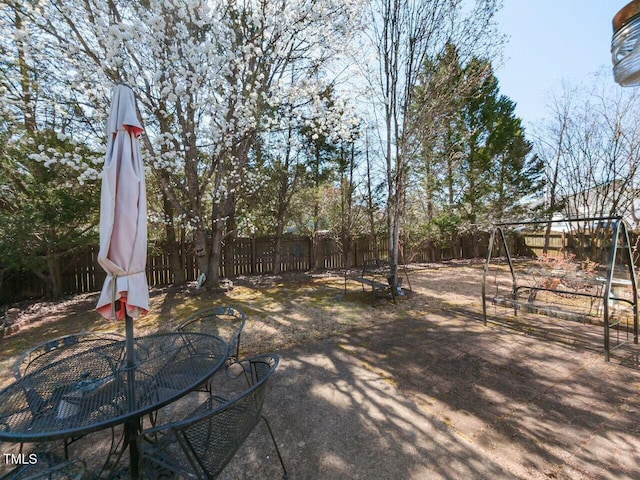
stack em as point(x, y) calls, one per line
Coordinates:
point(224, 321)
point(200, 445)
point(51, 351)
point(47, 468)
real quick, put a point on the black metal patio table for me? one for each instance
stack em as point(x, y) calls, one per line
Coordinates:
point(93, 390)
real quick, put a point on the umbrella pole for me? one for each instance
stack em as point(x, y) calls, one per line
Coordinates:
point(132, 426)
point(128, 328)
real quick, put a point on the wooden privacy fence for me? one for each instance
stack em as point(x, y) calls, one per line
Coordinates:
point(595, 247)
point(254, 256)
point(251, 256)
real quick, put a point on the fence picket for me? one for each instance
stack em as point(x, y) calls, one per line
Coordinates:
point(253, 255)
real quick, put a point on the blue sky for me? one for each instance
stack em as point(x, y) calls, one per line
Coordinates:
point(551, 41)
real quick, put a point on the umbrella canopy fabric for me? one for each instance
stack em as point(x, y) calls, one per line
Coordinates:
point(123, 214)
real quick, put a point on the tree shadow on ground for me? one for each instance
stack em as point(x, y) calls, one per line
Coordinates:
point(446, 397)
point(423, 389)
point(337, 418)
point(533, 404)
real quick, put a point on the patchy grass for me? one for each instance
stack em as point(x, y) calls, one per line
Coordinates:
point(282, 311)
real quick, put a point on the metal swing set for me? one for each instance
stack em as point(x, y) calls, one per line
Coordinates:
point(567, 283)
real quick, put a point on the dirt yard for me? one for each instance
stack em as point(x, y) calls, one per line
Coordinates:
point(283, 311)
point(417, 389)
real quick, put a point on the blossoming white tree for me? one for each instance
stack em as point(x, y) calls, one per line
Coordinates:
point(210, 76)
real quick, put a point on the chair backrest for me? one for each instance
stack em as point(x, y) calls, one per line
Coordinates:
point(211, 435)
point(224, 321)
point(52, 350)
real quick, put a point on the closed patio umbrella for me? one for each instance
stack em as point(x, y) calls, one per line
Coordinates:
point(123, 214)
point(123, 231)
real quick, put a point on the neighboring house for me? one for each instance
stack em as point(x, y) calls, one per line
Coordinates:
point(611, 199)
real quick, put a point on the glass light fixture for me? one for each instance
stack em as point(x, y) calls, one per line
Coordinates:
point(625, 45)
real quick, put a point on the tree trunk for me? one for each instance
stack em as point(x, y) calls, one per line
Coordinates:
point(552, 208)
point(554, 180)
point(229, 245)
point(348, 233)
point(221, 213)
point(215, 255)
point(476, 244)
point(314, 244)
point(25, 82)
point(277, 249)
point(314, 251)
point(373, 241)
point(55, 275)
point(202, 254)
point(454, 245)
point(176, 264)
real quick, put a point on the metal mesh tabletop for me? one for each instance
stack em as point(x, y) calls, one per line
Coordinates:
point(90, 390)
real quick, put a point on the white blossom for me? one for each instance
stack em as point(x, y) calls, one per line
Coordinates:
point(198, 82)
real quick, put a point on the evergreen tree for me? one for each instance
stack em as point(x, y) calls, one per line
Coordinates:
point(52, 210)
point(477, 166)
point(498, 169)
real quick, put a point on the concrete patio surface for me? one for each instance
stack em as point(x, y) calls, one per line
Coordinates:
point(445, 397)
